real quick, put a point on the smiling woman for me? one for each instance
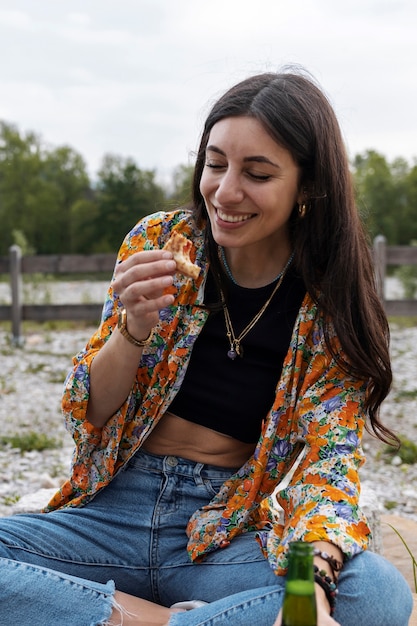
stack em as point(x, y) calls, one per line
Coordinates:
point(196, 397)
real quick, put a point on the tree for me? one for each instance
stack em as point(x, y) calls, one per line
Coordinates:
point(64, 172)
point(125, 194)
point(376, 194)
point(387, 196)
point(37, 190)
point(182, 178)
point(410, 219)
point(20, 161)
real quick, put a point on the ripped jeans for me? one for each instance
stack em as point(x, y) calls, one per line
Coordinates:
point(61, 568)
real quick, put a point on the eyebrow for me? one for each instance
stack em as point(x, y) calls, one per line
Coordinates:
point(256, 159)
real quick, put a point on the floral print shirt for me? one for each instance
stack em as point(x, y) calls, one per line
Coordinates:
point(317, 418)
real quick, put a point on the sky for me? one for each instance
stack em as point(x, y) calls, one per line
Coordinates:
point(136, 78)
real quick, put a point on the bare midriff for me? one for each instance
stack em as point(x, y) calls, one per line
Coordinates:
point(174, 436)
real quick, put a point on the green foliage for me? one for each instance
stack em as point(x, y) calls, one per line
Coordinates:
point(387, 196)
point(19, 239)
point(390, 504)
point(84, 216)
point(37, 190)
point(183, 178)
point(401, 322)
point(407, 451)
point(11, 500)
point(124, 195)
point(407, 274)
point(58, 376)
point(5, 386)
point(406, 394)
point(19, 182)
point(30, 441)
point(412, 557)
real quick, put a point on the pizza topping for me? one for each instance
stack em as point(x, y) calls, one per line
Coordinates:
point(180, 247)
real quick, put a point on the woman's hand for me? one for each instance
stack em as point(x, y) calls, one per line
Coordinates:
point(140, 282)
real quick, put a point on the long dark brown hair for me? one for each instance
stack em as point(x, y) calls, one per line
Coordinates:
point(332, 252)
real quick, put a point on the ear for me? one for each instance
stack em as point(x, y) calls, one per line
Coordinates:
point(301, 198)
point(303, 194)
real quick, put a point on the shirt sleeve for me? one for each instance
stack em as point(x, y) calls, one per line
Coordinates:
point(321, 502)
point(92, 443)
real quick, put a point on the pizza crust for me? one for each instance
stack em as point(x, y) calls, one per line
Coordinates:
point(180, 247)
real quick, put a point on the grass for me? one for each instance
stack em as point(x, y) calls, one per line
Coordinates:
point(58, 376)
point(407, 451)
point(402, 322)
point(5, 387)
point(406, 395)
point(30, 441)
point(390, 504)
point(413, 558)
point(10, 500)
point(35, 368)
point(31, 326)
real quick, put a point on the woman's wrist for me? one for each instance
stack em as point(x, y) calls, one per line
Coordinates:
point(123, 330)
point(327, 585)
point(329, 558)
point(321, 599)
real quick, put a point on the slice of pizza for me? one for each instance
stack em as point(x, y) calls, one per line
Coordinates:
point(181, 247)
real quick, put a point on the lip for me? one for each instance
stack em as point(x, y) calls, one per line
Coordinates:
point(231, 219)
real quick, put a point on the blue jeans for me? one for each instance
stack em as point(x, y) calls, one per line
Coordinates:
point(56, 568)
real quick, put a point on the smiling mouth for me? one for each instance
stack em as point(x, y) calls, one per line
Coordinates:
point(233, 219)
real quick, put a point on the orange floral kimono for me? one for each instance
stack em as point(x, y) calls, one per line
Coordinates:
point(317, 417)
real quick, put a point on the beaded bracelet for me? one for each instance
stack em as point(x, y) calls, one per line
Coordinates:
point(334, 564)
point(329, 587)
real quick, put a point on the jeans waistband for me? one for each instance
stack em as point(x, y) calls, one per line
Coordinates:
point(178, 465)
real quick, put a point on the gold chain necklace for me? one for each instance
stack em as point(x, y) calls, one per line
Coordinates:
point(235, 347)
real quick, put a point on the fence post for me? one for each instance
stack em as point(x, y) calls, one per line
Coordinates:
point(15, 255)
point(380, 264)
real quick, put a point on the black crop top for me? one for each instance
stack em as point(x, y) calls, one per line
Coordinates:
point(233, 397)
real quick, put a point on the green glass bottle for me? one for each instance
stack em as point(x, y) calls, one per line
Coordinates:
point(299, 606)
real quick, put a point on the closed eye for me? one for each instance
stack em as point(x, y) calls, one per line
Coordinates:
point(214, 166)
point(260, 177)
point(252, 175)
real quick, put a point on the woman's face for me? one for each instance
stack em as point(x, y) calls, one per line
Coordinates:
point(250, 184)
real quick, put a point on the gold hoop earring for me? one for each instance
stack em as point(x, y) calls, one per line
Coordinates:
point(302, 210)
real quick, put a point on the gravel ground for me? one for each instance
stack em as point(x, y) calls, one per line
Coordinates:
point(31, 381)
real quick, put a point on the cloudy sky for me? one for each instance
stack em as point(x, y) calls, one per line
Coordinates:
point(137, 77)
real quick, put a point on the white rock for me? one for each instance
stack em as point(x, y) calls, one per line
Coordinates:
point(33, 502)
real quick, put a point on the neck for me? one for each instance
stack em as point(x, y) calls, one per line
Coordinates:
point(253, 272)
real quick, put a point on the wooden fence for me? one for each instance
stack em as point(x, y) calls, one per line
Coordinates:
point(16, 266)
point(393, 255)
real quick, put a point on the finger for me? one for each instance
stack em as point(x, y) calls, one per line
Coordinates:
point(144, 257)
point(128, 274)
point(142, 272)
point(148, 289)
point(144, 309)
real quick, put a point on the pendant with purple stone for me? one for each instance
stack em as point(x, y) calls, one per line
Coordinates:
point(232, 354)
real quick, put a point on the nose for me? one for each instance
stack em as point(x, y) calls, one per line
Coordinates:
point(229, 190)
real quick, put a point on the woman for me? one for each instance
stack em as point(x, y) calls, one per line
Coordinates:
point(196, 399)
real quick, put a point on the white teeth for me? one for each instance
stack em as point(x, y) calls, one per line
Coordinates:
point(232, 218)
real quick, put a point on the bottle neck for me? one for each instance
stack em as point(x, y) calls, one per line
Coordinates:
point(299, 605)
point(300, 562)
